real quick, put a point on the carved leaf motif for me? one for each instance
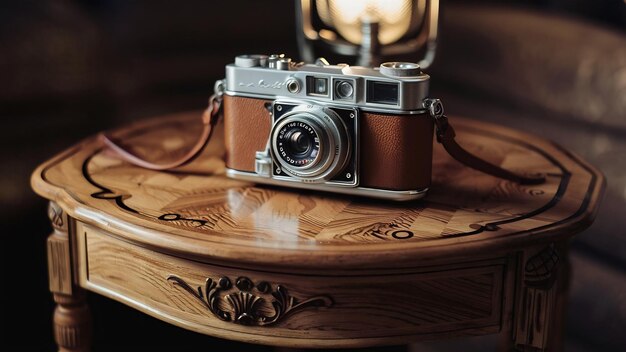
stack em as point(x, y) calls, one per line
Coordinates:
point(213, 290)
point(55, 213)
point(244, 304)
point(541, 266)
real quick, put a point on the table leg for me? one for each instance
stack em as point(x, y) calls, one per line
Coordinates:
point(560, 307)
point(72, 320)
point(541, 300)
point(72, 323)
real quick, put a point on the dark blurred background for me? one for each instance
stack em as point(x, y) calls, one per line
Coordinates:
point(68, 69)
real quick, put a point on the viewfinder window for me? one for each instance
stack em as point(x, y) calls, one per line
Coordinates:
point(382, 92)
point(317, 85)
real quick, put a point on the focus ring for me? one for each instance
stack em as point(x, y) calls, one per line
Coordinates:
point(333, 138)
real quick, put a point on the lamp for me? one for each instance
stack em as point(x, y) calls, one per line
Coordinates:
point(368, 29)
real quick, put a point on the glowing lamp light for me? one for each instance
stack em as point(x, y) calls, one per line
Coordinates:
point(368, 29)
point(393, 17)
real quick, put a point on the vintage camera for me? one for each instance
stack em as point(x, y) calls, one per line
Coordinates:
point(336, 128)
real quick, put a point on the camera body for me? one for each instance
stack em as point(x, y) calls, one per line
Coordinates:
point(336, 128)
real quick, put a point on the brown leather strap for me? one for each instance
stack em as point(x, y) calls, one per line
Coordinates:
point(445, 136)
point(209, 119)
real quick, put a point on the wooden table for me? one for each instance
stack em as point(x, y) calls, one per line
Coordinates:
point(274, 266)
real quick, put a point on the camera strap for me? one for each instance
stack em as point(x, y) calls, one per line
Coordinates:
point(210, 117)
point(444, 132)
point(445, 135)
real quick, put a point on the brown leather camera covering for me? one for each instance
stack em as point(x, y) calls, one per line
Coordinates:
point(247, 126)
point(395, 152)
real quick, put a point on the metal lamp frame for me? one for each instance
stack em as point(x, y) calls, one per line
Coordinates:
point(370, 51)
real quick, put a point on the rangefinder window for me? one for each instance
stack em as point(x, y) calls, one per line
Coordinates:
point(382, 92)
point(343, 89)
point(317, 86)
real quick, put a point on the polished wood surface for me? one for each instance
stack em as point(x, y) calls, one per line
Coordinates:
point(196, 210)
point(72, 318)
point(232, 259)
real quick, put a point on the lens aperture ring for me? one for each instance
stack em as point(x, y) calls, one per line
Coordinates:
point(310, 143)
point(298, 143)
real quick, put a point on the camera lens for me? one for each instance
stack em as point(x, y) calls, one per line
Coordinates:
point(311, 143)
point(344, 90)
point(298, 144)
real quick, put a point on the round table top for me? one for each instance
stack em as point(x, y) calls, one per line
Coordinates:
point(197, 212)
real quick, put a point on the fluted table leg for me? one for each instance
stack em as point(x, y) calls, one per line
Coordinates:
point(72, 323)
point(72, 320)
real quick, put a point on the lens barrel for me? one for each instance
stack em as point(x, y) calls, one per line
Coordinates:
point(297, 144)
point(310, 143)
point(300, 143)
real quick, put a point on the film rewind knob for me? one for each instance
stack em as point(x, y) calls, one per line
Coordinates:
point(400, 69)
point(251, 60)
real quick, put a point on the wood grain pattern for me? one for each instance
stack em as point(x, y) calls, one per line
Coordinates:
point(71, 319)
point(59, 270)
point(72, 322)
point(539, 295)
point(197, 211)
point(58, 245)
point(478, 255)
point(360, 309)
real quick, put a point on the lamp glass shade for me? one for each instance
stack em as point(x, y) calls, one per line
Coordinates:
point(346, 16)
